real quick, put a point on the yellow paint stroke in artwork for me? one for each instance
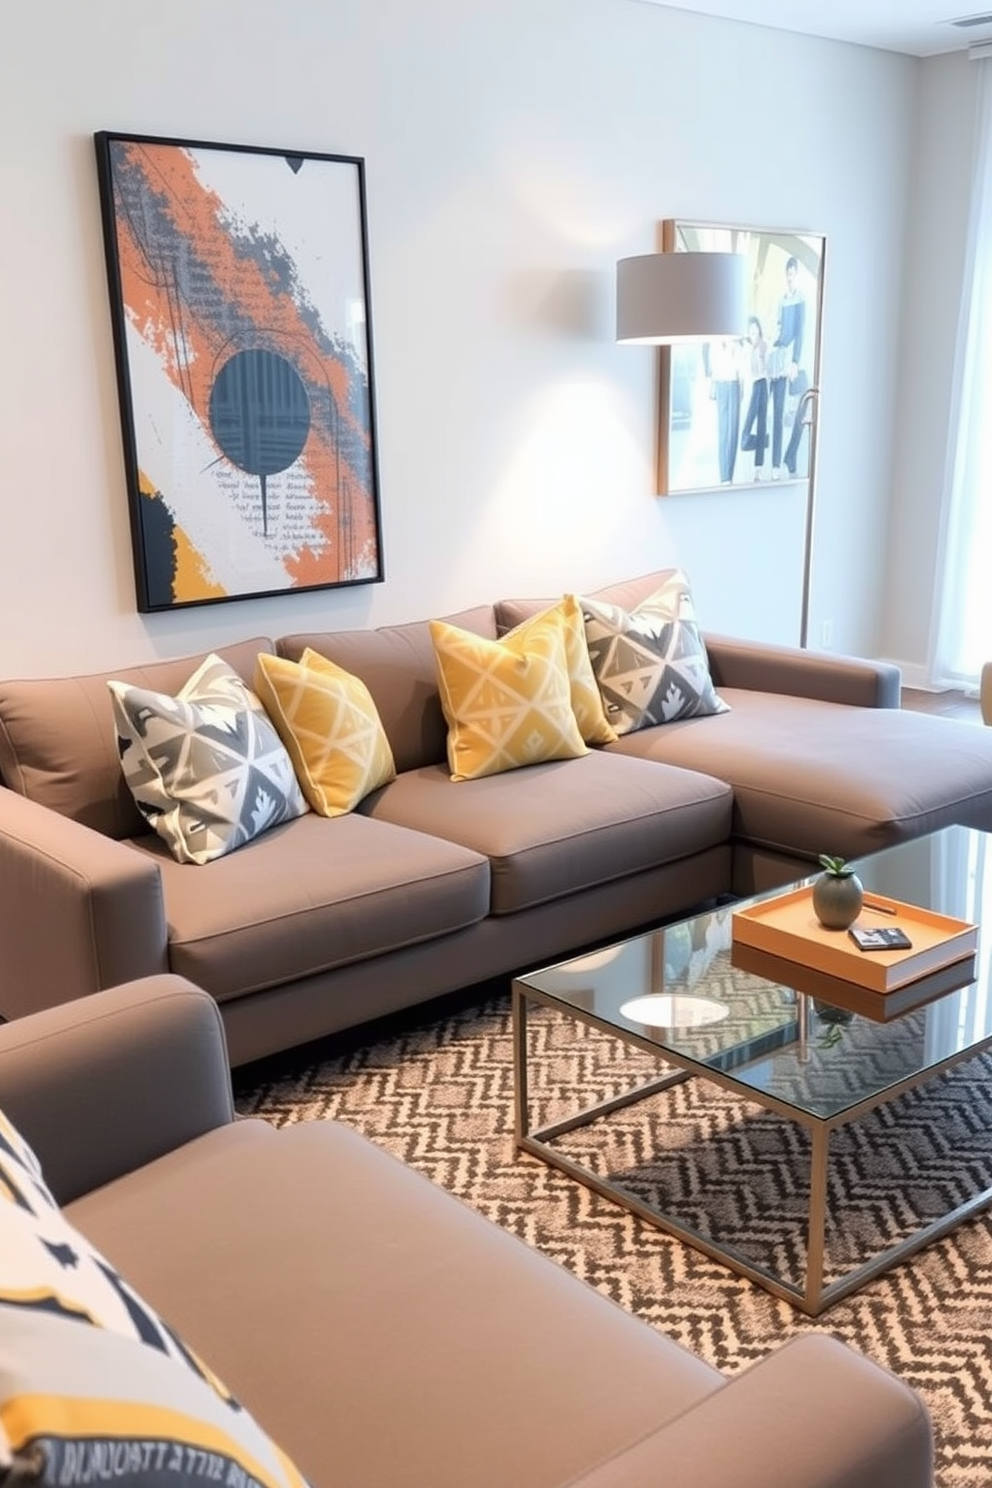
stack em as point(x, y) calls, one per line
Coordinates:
point(191, 575)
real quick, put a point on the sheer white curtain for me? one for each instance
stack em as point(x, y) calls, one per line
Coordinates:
point(964, 591)
point(961, 885)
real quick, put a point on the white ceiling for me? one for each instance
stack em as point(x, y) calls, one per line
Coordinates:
point(920, 27)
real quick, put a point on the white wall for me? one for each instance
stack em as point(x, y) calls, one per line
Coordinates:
point(514, 150)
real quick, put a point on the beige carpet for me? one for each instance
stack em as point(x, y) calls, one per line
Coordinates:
point(438, 1093)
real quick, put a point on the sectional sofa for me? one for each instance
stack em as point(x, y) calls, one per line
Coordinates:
point(374, 1331)
point(431, 884)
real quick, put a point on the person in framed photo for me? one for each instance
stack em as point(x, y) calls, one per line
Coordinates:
point(754, 435)
point(784, 357)
point(722, 365)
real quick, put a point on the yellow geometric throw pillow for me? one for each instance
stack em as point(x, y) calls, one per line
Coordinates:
point(507, 703)
point(587, 703)
point(331, 729)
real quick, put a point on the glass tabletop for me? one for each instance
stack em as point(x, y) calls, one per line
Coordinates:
point(676, 990)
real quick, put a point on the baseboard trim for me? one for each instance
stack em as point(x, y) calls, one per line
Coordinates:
point(916, 676)
point(919, 679)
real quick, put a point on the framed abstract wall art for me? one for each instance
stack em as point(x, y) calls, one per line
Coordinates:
point(733, 411)
point(239, 293)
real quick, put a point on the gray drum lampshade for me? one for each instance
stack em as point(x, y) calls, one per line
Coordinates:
point(663, 297)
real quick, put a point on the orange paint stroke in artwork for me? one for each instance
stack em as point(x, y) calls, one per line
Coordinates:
point(190, 343)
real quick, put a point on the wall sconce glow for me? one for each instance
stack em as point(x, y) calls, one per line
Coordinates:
point(674, 1010)
point(666, 297)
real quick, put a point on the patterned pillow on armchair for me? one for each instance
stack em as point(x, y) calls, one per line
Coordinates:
point(95, 1387)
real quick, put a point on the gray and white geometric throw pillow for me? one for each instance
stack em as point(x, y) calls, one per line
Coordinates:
point(650, 663)
point(206, 768)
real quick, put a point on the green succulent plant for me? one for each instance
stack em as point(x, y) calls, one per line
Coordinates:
point(833, 1021)
point(836, 867)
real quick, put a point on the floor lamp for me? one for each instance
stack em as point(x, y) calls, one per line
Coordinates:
point(807, 412)
point(667, 297)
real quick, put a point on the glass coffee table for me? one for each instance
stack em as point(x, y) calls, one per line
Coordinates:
point(743, 1169)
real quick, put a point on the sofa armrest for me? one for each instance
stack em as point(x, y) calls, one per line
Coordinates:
point(759, 666)
point(79, 911)
point(814, 1414)
point(104, 1084)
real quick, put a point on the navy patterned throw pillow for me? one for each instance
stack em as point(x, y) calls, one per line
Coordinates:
point(650, 663)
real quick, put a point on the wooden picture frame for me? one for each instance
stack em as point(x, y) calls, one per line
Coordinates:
point(239, 296)
point(732, 412)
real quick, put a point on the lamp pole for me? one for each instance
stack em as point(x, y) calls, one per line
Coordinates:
point(807, 412)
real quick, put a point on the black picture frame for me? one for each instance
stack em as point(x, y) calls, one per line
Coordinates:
point(241, 312)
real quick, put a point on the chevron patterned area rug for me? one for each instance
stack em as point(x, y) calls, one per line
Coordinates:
point(438, 1093)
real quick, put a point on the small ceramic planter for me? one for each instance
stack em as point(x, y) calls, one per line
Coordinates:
point(837, 896)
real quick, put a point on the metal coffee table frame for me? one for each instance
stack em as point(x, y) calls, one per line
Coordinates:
point(813, 1297)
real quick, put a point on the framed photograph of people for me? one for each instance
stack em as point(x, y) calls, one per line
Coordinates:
point(239, 299)
point(738, 410)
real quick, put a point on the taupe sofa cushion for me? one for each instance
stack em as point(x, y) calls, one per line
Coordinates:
point(389, 1336)
point(399, 1338)
point(313, 894)
point(811, 776)
point(628, 595)
point(398, 666)
point(58, 742)
point(552, 829)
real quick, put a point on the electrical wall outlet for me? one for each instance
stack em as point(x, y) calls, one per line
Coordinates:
point(826, 634)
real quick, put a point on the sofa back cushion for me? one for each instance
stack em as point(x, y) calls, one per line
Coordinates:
point(58, 742)
point(398, 666)
point(628, 594)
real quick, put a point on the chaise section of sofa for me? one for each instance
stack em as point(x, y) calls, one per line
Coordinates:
point(811, 776)
point(378, 1328)
point(817, 751)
